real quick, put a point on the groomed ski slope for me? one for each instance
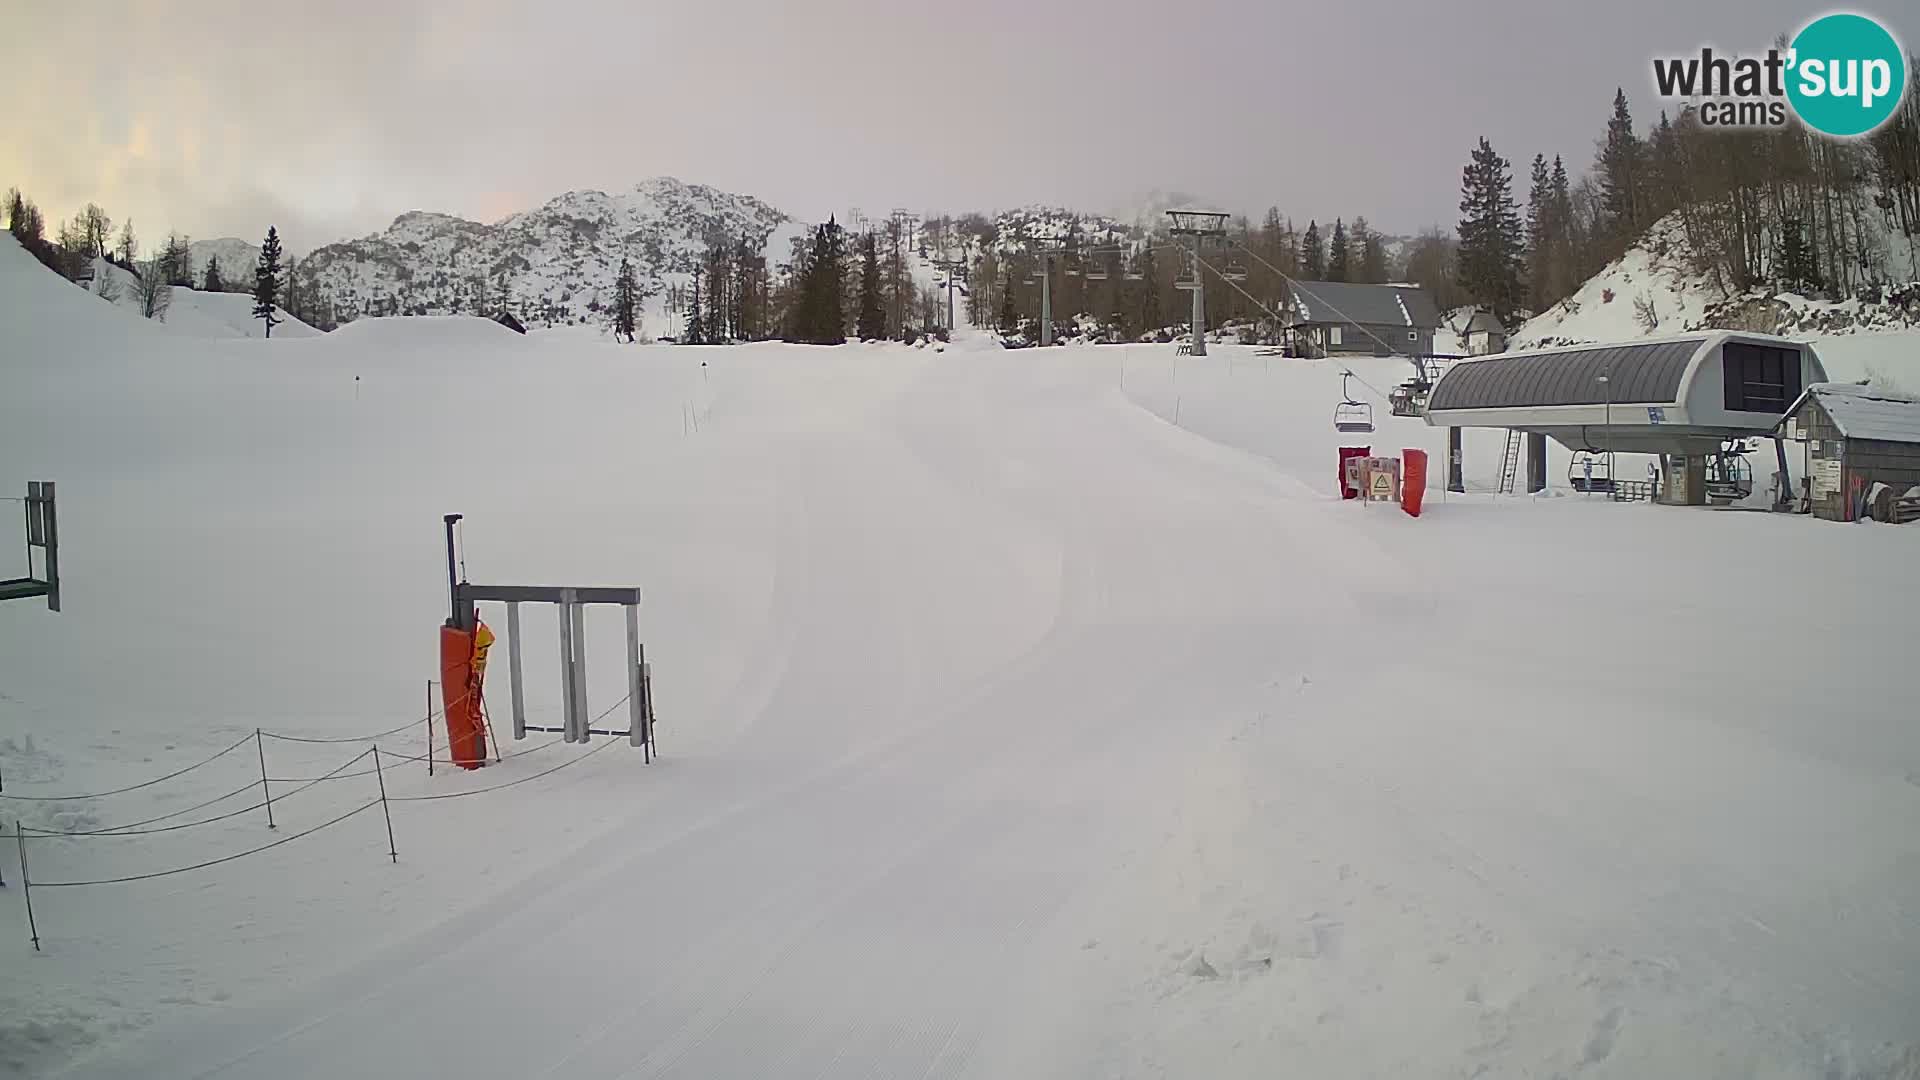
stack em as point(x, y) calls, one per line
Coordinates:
point(1009, 730)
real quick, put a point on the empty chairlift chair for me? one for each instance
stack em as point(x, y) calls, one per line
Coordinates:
point(1591, 471)
point(1096, 270)
point(1351, 415)
point(1235, 272)
point(1729, 476)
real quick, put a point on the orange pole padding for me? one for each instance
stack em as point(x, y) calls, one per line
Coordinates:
point(460, 698)
point(1413, 480)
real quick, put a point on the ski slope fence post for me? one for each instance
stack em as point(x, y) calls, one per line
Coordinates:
point(429, 727)
point(393, 850)
point(266, 793)
point(26, 882)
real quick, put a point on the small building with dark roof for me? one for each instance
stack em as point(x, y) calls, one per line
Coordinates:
point(1483, 335)
point(1854, 439)
point(1329, 318)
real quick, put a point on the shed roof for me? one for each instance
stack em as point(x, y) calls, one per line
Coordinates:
point(1372, 305)
point(1862, 413)
point(1484, 321)
point(1647, 372)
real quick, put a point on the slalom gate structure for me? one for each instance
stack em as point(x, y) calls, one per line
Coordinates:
point(465, 641)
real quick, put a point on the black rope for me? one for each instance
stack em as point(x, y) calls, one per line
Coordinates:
point(210, 862)
point(130, 830)
point(500, 787)
point(249, 786)
point(450, 761)
point(366, 738)
point(132, 787)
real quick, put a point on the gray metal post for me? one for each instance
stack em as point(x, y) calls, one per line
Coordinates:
point(636, 703)
point(1536, 462)
point(52, 546)
point(1456, 462)
point(513, 671)
point(1199, 305)
point(581, 722)
point(1046, 300)
point(566, 666)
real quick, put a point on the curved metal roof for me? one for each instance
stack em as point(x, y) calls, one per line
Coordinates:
point(1642, 373)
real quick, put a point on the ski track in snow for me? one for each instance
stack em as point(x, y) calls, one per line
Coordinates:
point(1009, 730)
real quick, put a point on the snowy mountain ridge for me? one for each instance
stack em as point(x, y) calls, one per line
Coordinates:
point(553, 264)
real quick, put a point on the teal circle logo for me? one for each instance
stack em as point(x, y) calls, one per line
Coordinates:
point(1846, 75)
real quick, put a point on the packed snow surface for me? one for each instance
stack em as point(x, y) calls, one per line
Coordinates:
point(1009, 728)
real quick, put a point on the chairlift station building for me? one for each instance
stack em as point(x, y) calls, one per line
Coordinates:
point(1681, 397)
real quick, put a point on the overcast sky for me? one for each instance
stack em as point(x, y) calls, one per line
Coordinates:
point(217, 117)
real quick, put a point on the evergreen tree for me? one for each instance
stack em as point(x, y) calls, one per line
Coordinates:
point(126, 248)
point(1539, 234)
point(1488, 258)
point(822, 299)
point(696, 330)
point(1009, 312)
point(16, 211)
point(624, 299)
point(1337, 253)
point(212, 282)
point(1620, 169)
point(1313, 254)
point(266, 280)
point(872, 323)
point(1371, 263)
point(1795, 266)
point(1563, 275)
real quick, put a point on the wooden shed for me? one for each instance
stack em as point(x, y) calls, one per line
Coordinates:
point(1854, 438)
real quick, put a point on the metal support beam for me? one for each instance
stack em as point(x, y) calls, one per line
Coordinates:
point(579, 669)
point(1536, 462)
point(518, 683)
point(566, 669)
point(1783, 499)
point(49, 510)
point(1456, 462)
point(1046, 300)
point(1199, 304)
point(636, 700)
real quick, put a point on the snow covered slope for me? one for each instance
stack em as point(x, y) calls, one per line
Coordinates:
point(557, 263)
point(192, 313)
point(1010, 729)
point(1655, 289)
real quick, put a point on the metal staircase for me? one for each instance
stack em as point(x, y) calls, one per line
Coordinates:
point(1510, 461)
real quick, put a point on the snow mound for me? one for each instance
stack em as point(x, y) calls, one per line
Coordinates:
point(227, 315)
point(424, 330)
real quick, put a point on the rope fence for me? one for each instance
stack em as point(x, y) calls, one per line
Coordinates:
point(133, 787)
point(258, 733)
point(288, 839)
point(150, 826)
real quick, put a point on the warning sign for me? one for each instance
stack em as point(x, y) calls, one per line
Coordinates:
point(1382, 490)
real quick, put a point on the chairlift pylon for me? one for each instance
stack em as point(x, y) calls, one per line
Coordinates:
point(1351, 414)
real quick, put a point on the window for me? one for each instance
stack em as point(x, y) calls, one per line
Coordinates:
point(1759, 378)
point(1413, 335)
point(1333, 335)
